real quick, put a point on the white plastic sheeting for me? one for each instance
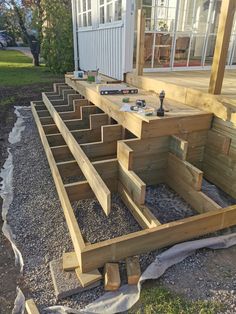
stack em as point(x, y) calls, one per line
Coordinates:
point(127, 296)
point(6, 190)
point(7, 193)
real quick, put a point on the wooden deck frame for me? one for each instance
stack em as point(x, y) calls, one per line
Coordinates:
point(92, 256)
point(98, 186)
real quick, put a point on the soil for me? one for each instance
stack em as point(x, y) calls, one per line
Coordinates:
point(10, 97)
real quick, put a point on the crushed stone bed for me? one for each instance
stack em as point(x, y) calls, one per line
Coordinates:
point(166, 204)
point(119, 222)
point(38, 222)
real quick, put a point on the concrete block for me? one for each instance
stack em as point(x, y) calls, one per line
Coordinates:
point(66, 283)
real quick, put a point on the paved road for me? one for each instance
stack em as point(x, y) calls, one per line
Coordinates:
point(24, 50)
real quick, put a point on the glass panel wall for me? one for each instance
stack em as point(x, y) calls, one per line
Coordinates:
point(182, 33)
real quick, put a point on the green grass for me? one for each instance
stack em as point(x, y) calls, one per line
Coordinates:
point(16, 69)
point(159, 300)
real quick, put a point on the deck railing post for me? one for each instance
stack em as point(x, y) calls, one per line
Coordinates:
point(140, 42)
point(222, 45)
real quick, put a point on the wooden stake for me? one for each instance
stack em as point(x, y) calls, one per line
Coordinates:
point(222, 45)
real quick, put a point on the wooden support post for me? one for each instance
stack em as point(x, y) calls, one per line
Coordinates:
point(222, 44)
point(133, 270)
point(140, 42)
point(112, 277)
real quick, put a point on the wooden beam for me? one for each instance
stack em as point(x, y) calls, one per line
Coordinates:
point(31, 307)
point(69, 261)
point(111, 277)
point(114, 250)
point(222, 45)
point(125, 155)
point(178, 147)
point(76, 236)
point(133, 184)
point(141, 213)
point(107, 169)
point(140, 41)
point(197, 199)
point(185, 171)
point(133, 270)
point(218, 142)
point(98, 186)
point(88, 278)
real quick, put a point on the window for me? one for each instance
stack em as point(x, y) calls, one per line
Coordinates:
point(84, 13)
point(110, 11)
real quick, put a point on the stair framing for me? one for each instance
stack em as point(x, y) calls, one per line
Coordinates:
point(114, 164)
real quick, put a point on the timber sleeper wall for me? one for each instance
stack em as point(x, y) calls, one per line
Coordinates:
point(131, 168)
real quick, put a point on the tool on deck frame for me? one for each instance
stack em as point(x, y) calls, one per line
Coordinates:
point(161, 111)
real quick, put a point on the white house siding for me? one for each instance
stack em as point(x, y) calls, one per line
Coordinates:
point(102, 48)
point(107, 47)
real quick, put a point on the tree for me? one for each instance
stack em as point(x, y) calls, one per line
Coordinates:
point(57, 44)
point(23, 12)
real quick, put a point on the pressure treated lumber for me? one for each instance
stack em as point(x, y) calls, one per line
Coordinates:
point(225, 26)
point(218, 142)
point(218, 105)
point(98, 186)
point(72, 224)
point(185, 171)
point(69, 261)
point(125, 155)
point(111, 277)
point(178, 147)
point(141, 213)
point(133, 184)
point(177, 125)
point(133, 270)
point(197, 199)
point(88, 278)
point(62, 153)
point(158, 237)
point(141, 21)
point(31, 307)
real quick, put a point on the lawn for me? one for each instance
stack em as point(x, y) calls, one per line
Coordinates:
point(16, 69)
point(159, 300)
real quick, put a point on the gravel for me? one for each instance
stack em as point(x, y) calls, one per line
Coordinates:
point(166, 204)
point(41, 232)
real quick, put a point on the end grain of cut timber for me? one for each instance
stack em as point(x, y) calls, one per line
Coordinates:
point(89, 278)
point(133, 270)
point(70, 261)
point(31, 307)
point(111, 277)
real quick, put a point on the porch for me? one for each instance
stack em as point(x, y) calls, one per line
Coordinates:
point(198, 80)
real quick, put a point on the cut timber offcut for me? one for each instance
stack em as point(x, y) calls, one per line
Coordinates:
point(111, 277)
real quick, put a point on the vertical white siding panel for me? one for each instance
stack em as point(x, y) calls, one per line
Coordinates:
point(102, 48)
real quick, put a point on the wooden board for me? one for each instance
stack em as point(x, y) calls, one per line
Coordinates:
point(158, 237)
point(31, 307)
point(111, 277)
point(133, 270)
point(98, 186)
point(72, 224)
point(141, 213)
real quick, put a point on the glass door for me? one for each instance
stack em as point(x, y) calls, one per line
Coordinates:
point(159, 32)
